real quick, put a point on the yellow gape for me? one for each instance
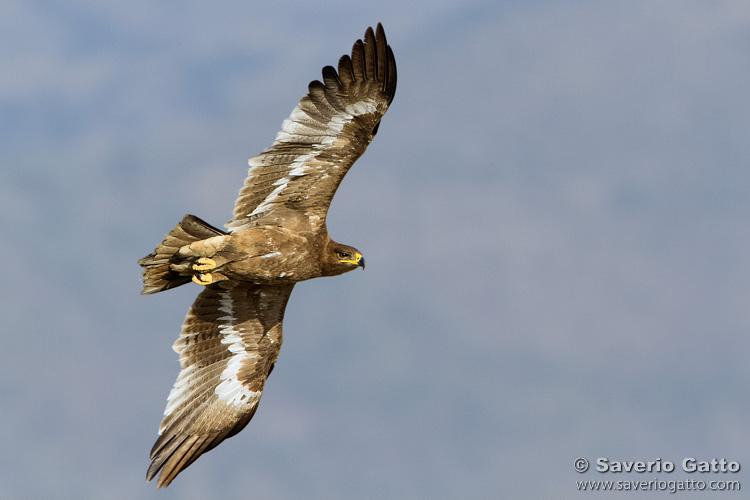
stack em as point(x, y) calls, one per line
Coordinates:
point(357, 258)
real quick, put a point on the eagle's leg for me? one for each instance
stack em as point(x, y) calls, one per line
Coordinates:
point(170, 264)
point(203, 279)
point(203, 264)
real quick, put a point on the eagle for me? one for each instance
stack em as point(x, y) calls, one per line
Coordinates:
point(232, 334)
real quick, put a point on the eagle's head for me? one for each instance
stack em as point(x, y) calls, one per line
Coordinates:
point(339, 259)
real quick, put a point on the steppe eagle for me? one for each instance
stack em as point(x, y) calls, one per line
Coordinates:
point(231, 337)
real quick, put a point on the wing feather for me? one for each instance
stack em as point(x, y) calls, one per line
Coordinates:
point(371, 57)
point(293, 182)
point(346, 71)
point(229, 343)
point(358, 61)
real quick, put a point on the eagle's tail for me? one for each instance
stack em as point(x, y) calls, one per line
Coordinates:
point(162, 269)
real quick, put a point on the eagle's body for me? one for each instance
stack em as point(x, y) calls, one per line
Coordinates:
point(232, 334)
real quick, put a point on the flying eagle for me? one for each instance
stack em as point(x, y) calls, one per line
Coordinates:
point(231, 337)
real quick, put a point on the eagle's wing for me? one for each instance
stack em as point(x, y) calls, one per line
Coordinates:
point(229, 343)
point(292, 182)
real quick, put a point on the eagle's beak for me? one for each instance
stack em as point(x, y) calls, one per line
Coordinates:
point(361, 262)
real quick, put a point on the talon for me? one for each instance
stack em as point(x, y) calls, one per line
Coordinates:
point(204, 264)
point(203, 278)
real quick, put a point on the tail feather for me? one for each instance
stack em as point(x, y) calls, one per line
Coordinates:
point(158, 272)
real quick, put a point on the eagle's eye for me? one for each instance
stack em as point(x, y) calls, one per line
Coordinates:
point(343, 255)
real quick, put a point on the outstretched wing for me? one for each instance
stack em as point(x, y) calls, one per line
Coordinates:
point(292, 182)
point(229, 343)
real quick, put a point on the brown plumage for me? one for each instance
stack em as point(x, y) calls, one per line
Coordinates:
point(232, 334)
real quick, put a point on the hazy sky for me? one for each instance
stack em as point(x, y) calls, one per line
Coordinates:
point(554, 215)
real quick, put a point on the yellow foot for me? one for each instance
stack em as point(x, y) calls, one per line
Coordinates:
point(204, 264)
point(203, 279)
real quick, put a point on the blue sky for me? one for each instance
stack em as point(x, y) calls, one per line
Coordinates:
point(554, 216)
